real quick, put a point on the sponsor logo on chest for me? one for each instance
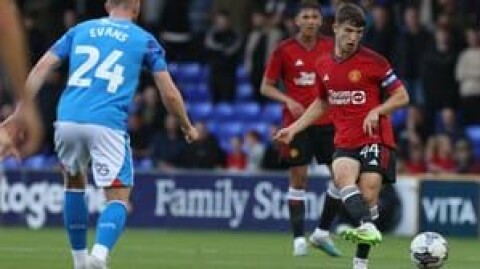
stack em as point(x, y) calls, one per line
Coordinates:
point(305, 79)
point(344, 97)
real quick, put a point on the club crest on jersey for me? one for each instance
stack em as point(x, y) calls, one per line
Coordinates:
point(354, 75)
point(294, 153)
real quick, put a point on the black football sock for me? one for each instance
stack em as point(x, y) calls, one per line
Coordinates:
point(331, 207)
point(296, 206)
point(362, 251)
point(355, 205)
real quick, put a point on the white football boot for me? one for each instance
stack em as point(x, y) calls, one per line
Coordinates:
point(300, 247)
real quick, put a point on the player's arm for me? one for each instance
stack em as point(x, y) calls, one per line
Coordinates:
point(13, 53)
point(39, 73)
point(269, 89)
point(398, 97)
point(314, 111)
point(169, 93)
point(12, 48)
point(173, 101)
point(25, 122)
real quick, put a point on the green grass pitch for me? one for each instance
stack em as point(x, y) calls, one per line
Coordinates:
point(47, 249)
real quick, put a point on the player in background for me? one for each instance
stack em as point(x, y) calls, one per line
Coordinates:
point(106, 56)
point(360, 90)
point(14, 59)
point(294, 64)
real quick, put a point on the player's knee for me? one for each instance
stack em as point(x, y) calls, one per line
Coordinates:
point(341, 182)
point(370, 196)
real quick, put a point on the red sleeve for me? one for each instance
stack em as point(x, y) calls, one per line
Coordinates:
point(387, 78)
point(274, 64)
point(321, 90)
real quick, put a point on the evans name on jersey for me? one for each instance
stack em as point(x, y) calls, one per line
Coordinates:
point(106, 57)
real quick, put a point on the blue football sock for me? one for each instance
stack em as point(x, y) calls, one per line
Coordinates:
point(111, 224)
point(75, 216)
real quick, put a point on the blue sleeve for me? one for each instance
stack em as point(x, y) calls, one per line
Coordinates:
point(155, 56)
point(62, 47)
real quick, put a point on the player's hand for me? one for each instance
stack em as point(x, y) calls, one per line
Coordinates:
point(7, 147)
point(33, 129)
point(25, 128)
point(284, 135)
point(191, 134)
point(370, 124)
point(295, 108)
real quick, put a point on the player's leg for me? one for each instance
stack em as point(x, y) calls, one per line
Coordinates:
point(75, 216)
point(324, 150)
point(72, 153)
point(378, 167)
point(332, 205)
point(320, 238)
point(296, 207)
point(370, 184)
point(346, 169)
point(110, 225)
point(112, 170)
point(298, 154)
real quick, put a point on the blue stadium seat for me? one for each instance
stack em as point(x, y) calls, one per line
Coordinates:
point(200, 111)
point(399, 117)
point(272, 113)
point(173, 69)
point(227, 130)
point(244, 92)
point(247, 111)
point(204, 74)
point(51, 161)
point(11, 163)
point(144, 164)
point(225, 144)
point(35, 162)
point(193, 92)
point(204, 92)
point(262, 128)
point(242, 75)
point(213, 127)
point(222, 112)
point(189, 72)
point(473, 133)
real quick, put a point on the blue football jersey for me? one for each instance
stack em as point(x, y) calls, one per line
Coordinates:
point(106, 57)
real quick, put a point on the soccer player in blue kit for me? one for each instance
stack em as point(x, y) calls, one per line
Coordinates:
point(106, 56)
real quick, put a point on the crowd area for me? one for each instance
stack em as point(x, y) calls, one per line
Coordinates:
point(217, 50)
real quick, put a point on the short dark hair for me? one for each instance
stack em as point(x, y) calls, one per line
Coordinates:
point(308, 4)
point(351, 14)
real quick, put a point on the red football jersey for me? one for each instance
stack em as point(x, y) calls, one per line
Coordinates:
point(353, 87)
point(295, 66)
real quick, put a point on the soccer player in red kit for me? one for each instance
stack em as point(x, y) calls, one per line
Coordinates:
point(294, 63)
point(360, 90)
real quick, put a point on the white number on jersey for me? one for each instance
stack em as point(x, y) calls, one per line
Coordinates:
point(108, 69)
